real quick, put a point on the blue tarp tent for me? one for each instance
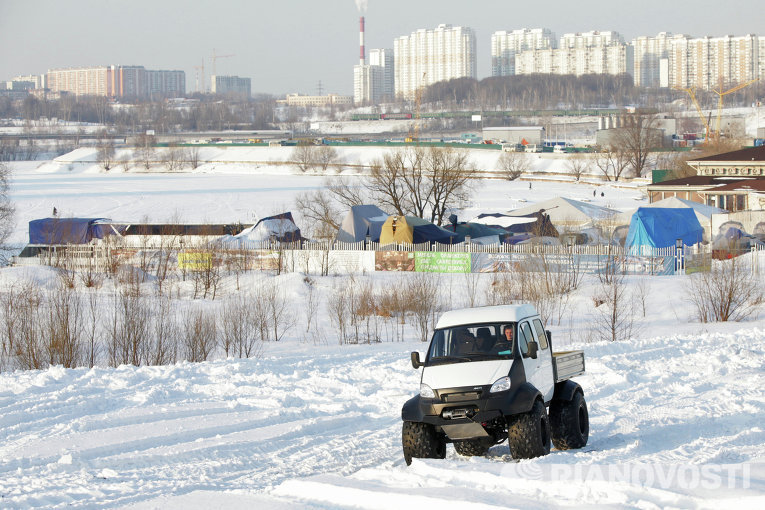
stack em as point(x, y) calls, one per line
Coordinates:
point(52, 231)
point(659, 228)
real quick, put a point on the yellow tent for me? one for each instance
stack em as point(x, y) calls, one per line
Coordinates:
point(410, 229)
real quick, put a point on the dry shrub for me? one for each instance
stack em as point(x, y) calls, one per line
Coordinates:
point(728, 292)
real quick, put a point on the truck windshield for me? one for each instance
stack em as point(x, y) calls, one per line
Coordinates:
point(476, 342)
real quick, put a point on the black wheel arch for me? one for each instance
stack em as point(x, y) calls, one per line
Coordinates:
point(565, 390)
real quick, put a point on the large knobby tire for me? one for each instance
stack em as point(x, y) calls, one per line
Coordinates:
point(473, 447)
point(420, 440)
point(569, 422)
point(529, 433)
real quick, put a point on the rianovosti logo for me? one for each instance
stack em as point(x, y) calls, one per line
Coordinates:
point(683, 477)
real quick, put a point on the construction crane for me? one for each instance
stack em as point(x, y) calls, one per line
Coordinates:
point(720, 95)
point(704, 121)
point(215, 58)
point(415, 137)
point(201, 69)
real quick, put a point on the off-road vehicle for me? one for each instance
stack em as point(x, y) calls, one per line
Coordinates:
point(490, 375)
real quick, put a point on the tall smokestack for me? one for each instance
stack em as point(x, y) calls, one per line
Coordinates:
point(362, 53)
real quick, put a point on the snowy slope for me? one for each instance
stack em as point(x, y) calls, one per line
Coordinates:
point(320, 428)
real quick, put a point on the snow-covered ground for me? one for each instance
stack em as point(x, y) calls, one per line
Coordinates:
point(243, 184)
point(676, 413)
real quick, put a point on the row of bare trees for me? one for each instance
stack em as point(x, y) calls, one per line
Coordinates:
point(74, 327)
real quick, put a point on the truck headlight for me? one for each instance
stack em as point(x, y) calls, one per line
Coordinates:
point(426, 391)
point(502, 384)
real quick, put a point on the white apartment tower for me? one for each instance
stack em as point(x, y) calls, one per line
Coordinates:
point(651, 53)
point(429, 56)
point(506, 45)
point(710, 62)
point(384, 59)
point(367, 84)
point(579, 54)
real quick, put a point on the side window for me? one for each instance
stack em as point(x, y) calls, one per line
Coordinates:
point(524, 336)
point(541, 335)
point(526, 330)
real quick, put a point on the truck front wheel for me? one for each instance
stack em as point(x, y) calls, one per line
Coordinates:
point(529, 433)
point(421, 441)
point(473, 447)
point(570, 422)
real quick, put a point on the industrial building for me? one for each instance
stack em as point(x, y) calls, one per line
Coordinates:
point(428, 56)
point(373, 81)
point(316, 101)
point(525, 135)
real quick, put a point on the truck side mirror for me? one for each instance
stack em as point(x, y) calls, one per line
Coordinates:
point(416, 363)
point(533, 348)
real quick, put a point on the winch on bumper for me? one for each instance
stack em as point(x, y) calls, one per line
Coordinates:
point(467, 413)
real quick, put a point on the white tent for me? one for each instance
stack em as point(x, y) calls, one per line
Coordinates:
point(568, 212)
point(360, 221)
point(703, 212)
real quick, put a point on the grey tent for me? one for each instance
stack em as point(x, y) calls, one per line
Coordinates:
point(360, 221)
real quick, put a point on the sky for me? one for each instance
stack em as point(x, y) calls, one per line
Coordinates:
point(293, 45)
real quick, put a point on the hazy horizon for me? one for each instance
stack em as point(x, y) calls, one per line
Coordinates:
point(291, 46)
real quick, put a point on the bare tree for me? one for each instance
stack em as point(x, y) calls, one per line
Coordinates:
point(413, 181)
point(145, 150)
point(614, 317)
point(450, 173)
point(636, 139)
point(613, 162)
point(326, 156)
point(200, 335)
point(346, 193)
point(319, 210)
point(304, 157)
point(386, 183)
point(193, 155)
point(105, 151)
point(513, 164)
point(239, 332)
point(7, 211)
point(173, 157)
point(577, 165)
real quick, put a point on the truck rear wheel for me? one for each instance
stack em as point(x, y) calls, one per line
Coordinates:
point(570, 422)
point(529, 433)
point(473, 447)
point(421, 441)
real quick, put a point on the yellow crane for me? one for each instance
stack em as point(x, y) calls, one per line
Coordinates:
point(704, 121)
point(215, 58)
point(415, 137)
point(720, 95)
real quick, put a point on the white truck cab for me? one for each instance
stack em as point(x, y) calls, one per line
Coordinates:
point(489, 375)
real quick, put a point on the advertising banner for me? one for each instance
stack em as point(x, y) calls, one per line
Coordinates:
point(441, 262)
point(394, 261)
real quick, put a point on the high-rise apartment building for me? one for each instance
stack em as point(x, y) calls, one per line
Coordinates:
point(429, 56)
point(579, 54)
point(116, 81)
point(383, 57)
point(711, 62)
point(367, 84)
point(650, 52)
point(227, 85)
point(506, 45)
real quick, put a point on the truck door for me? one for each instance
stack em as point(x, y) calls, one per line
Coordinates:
point(539, 370)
